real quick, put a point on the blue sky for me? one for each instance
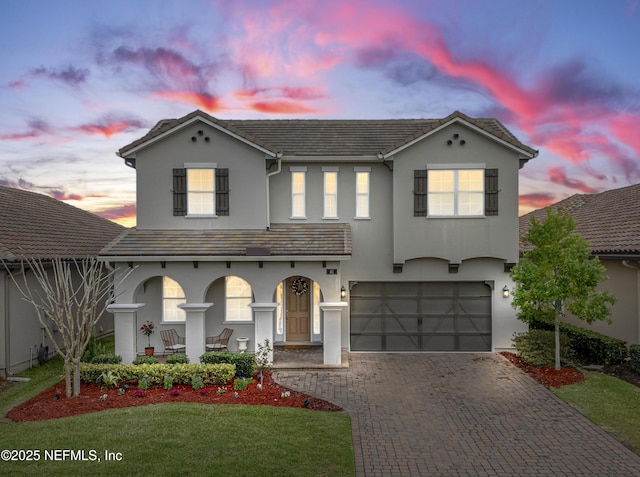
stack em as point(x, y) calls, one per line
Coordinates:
point(80, 79)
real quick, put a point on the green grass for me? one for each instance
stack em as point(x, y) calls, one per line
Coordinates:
point(189, 439)
point(610, 403)
point(177, 439)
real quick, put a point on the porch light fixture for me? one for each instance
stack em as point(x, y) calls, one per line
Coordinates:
point(505, 292)
point(343, 292)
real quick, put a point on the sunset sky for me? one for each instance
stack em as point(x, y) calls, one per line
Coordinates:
point(80, 79)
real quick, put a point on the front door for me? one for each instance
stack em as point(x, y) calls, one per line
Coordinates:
point(298, 302)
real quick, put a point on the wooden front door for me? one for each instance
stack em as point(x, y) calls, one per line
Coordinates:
point(298, 302)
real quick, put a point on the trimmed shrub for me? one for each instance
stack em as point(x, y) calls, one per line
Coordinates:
point(537, 347)
point(177, 359)
point(145, 360)
point(590, 347)
point(244, 362)
point(182, 373)
point(106, 359)
point(94, 348)
point(634, 351)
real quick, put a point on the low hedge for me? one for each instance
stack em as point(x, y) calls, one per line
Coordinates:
point(244, 363)
point(106, 359)
point(177, 359)
point(538, 348)
point(590, 347)
point(181, 373)
point(634, 351)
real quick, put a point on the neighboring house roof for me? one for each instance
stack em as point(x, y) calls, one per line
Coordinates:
point(321, 137)
point(609, 221)
point(279, 240)
point(37, 226)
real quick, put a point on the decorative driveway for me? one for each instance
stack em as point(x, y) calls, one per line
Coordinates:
point(460, 415)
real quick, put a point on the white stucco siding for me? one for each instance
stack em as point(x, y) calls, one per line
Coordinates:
point(247, 179)
point(455, 239)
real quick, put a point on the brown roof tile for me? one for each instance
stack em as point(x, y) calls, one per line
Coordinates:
point(37, 226)
point(320, 137)
point(609, 221)
point(280, 240)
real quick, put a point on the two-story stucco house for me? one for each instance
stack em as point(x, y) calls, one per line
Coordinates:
point(366, 235)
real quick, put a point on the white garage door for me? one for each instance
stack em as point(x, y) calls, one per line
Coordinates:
point(420, 316)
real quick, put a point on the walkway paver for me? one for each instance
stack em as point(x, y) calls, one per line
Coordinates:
point(460, 415)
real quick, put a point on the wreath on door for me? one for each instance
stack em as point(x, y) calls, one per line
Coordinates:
point(299, 286)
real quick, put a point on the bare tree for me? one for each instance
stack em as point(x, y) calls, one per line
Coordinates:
point(73, 295)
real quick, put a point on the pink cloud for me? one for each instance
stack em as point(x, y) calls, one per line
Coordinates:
point(537, 200)
point(203, 101)
point(282, 107)
point(37, 128)
point(557, 175)
point(127, 211)
point(108, 126)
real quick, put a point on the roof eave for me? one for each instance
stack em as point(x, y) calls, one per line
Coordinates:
point(222, 258)
point(131, 153)
point(523, 153)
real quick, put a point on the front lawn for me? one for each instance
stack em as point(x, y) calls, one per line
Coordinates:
point(610, 403)
point(174, 439)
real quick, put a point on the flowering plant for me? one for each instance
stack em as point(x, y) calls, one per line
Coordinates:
point(147, 329)
point(174, 393)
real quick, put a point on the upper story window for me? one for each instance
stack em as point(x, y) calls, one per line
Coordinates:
point(456, 192)
point(330, 210)
point(201, 190)
point(238, 296)
point(172, 296)
point(298, 200)
point(463, 192)
point(363, 175)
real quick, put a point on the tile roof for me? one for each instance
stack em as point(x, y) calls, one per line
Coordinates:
point(38, 226)
point(609, 221)
point(322, 137)
point(280, 240)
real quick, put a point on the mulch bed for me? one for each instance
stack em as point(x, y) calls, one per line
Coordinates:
point(47, 406)
point(549, 377)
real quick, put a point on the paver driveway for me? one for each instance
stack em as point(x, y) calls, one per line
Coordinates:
point(460, 415)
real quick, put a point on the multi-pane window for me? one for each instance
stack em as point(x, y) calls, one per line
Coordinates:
point(201, 192)
point(238, 298)
point(330, 195)
point(298, 209)
point(172, 296)
point(362, 194)
point(458, 192)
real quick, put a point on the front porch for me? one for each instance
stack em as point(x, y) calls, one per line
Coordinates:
point(305, 357)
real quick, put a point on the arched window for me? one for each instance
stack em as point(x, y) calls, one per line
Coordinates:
point(238, 296)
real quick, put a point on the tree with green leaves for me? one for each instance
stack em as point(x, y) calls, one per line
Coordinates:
point(559, 275)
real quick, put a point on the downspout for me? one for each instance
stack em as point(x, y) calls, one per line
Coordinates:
point(277, 171)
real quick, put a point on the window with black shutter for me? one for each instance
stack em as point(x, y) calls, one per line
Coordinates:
point(180, 192)
point(222, 191)
point(419, 193)
point(491, 192)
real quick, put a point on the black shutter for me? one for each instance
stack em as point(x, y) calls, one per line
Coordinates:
point(222, 191)
point(179, 192)
point(420, 193)
point(491, 192)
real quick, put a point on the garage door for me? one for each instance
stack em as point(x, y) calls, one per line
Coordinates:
point(420, 316)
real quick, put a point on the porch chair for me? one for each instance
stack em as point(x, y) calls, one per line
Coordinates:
point(219, 342)
point(172, 341)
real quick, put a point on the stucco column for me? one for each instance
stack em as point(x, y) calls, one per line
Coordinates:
point(332, 314)
point(125, 327)
point(263, 316)
point(194, 329)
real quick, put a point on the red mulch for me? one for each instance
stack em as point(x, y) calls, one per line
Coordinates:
point(46, 406)
point(549, 377)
